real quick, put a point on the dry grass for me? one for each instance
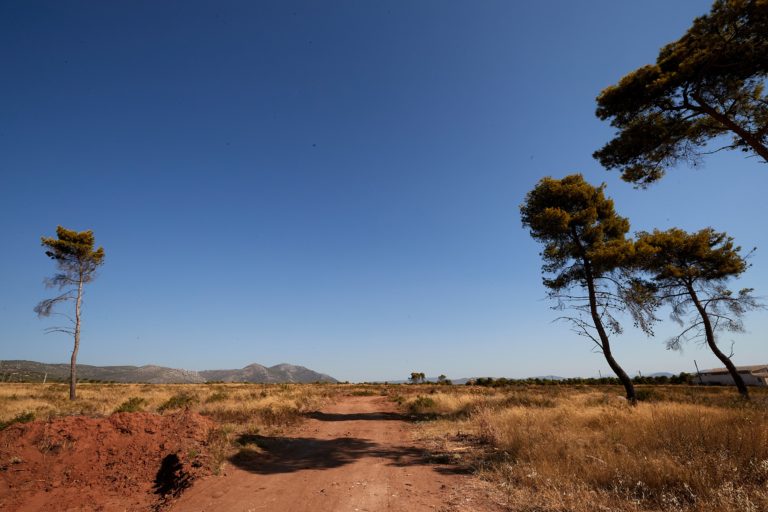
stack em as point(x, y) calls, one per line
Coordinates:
point(544, 448)
point(236, 408)
point(239, 404)
point(583, 449)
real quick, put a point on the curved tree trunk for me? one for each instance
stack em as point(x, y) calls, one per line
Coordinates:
point(710, 335)
point(605, 344)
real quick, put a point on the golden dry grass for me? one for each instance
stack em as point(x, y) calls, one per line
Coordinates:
point(252, 405)
point(236, 408)
point(552, 448)
point(543, 448)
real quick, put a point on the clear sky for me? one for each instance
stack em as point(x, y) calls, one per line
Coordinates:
point(331, 184)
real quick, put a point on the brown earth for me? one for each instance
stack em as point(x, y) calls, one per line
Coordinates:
point(357, 455)
point(128, 461)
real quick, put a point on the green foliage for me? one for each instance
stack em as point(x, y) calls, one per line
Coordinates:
point(422, 405)
point(417, 377)
point(218, 396)
point(76, 261)
point(73, 249)
point(579, 228)
point(585, 247)
point(24, 417)
point(676, 256)
point(709, 83)
point(686, 268)
point(660, 380)
point(178, 401)
point(133, 404)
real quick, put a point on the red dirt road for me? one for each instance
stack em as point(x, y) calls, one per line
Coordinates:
point(357, 455)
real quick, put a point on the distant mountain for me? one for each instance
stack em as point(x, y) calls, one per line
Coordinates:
point(258, 373)
point(33, 371)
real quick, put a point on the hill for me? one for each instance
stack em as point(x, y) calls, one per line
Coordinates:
point(258, 373)
point(32, 371)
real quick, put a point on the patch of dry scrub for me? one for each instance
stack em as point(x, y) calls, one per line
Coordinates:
point(270, 405)
point(567, 449)
point(236, 408)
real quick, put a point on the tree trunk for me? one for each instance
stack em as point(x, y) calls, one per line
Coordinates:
point(746, 135)
point(604, 341)
point(73, 361)
point(710, 335)
point(606, 345)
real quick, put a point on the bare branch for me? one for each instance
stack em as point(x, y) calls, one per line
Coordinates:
point(50, 330)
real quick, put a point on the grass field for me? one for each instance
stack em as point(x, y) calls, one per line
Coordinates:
point(579, 449)
point(543, 448)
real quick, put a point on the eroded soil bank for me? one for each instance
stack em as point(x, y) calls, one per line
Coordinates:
point(127, 461)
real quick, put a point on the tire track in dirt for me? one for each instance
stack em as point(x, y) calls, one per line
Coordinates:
point(356, 455)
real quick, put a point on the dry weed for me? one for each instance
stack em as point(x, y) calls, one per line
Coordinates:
point(558, 449)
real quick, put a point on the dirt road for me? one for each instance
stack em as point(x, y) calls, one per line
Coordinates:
point(357, 455)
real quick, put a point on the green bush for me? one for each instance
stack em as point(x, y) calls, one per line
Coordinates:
point(178, 401)
point(422, 405)
point(24, 417)
point(133, 404)
point(218, 396)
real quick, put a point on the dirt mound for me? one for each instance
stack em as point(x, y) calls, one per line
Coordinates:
point(128, 461)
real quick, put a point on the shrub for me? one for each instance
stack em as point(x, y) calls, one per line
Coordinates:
point(133, 404)
point(218, 396)
point(422, 405)
point(178, 401)
point(24, 417)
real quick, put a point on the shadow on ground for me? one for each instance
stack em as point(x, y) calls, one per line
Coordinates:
point(270, 455)
point(371, 416)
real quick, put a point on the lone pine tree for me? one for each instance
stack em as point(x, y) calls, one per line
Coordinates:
point(76, 262)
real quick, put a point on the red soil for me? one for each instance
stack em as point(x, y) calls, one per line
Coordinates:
point(105, 464)
point(357, 454)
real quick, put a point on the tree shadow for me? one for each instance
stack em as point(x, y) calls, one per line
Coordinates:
point(370, 416)
point(271, 455)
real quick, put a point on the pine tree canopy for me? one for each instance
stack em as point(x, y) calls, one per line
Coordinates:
point(575, 221)
point(676, 255)
point(74, 252)
point(708, 84)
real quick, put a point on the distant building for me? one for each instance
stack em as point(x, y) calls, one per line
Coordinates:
point(756, 375)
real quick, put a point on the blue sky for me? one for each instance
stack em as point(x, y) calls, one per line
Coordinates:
point(332, 184)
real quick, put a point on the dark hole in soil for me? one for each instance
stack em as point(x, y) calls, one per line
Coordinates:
point(171, 478)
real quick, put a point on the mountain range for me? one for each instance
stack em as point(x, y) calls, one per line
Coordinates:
point(31, 371)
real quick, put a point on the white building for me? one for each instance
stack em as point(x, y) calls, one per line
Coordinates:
point(756, 375)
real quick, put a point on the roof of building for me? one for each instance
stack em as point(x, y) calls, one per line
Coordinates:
point(753, 369)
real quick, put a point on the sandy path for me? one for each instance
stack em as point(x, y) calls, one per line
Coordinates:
point(357, 455)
